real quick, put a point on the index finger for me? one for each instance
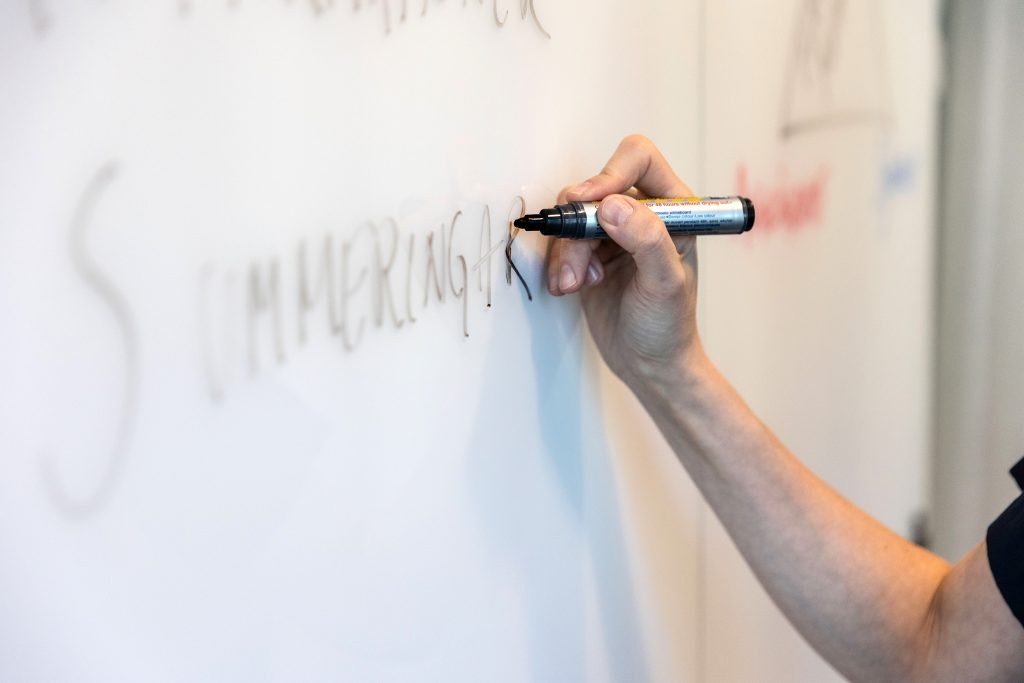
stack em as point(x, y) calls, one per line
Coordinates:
point(636, 163)
point(572, 263)
point(563, 196)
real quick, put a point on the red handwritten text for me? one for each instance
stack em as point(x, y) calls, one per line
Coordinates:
point(783, 203)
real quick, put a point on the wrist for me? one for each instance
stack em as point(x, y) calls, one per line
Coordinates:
point(672, 381)
point(697, 410)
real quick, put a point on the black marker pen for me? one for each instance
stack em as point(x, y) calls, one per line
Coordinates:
point(687, 216)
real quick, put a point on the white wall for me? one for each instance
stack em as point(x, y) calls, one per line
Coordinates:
point(980, 433)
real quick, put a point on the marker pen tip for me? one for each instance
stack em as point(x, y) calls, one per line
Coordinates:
point(531, 221)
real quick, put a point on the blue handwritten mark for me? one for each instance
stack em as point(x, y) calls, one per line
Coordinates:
point(899, 175)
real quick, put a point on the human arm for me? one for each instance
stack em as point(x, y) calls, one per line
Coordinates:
point(874, 605)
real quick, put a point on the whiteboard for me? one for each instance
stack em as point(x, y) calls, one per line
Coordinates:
point(274, 408)
point(218, 468)
point(824, 321)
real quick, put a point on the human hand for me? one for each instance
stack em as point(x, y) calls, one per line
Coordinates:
point(639, 288)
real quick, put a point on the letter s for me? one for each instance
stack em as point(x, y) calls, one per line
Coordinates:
point(81, 506)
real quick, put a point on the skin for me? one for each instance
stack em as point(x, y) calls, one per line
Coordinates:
point(876, 606)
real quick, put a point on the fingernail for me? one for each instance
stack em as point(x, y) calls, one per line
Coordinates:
point(568, 278)
point(592, 274)
point(616, 210)
point(580, 189)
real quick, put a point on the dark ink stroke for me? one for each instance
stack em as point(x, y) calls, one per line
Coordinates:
point(513, 232)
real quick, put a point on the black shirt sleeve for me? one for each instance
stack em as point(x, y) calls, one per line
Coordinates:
point(1005, 541)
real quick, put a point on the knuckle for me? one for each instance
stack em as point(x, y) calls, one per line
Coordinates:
point(675, 281)
point(637, 141)
point(647, 223)
point(579, 255)
point(613, 174)
point(649, 235)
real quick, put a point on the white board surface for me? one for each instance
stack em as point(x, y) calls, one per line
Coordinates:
point(218, 466)
point(824, 321)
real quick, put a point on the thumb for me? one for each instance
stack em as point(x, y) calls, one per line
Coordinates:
point(640, 232)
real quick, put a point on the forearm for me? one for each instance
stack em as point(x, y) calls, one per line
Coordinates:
point(877, 607)
point(860, 594)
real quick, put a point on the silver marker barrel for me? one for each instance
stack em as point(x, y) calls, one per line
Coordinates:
point(682, 216)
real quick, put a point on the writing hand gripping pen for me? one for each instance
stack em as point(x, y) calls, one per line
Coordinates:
point(684, 216)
